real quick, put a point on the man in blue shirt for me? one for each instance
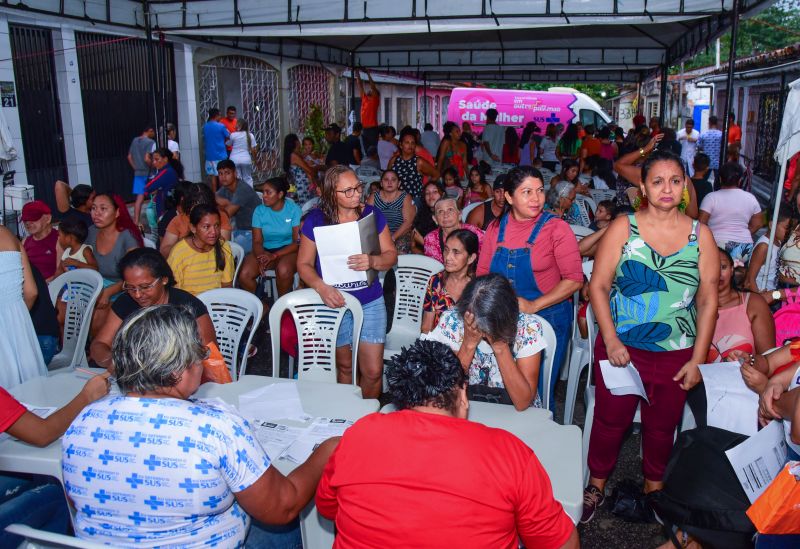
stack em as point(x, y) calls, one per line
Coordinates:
point(710, 142)
point(214, 136)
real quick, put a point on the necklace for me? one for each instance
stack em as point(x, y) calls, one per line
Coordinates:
point(197, 247)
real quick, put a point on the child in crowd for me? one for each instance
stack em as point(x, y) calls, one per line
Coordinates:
point(759, 278)
point(479, 189)
point(452, 186)
point(72, 234)
point(603, 215)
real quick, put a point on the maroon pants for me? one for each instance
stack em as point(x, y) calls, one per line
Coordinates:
point(613, 415)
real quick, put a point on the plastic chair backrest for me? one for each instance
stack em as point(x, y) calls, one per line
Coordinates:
point(549, 359)
point(40, 539)
point(231, 310)
point(591, 332)
point(588, 267)
point(587, 207)
point(598, 195)
point(238, 259)
point(581, 231)
point(309, 205)
point(83, 287)
point(787, 318)
point(412, 276)
point(317, 327)
point(469, 208)
point(368, 171)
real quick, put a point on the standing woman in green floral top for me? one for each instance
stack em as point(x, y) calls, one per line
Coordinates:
point(654, 295)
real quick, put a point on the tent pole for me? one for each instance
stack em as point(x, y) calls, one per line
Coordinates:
point(424, 99)
point(639, 95)
point(680, 98)
point(779, 190)
point(352, 85)
point(723, 154)
point(662, 97)
point(151, 61)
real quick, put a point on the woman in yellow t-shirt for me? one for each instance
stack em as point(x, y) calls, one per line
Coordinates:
point(202, 261)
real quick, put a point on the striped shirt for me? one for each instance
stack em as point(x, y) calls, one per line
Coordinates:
point(392, 211)
point(195, 272)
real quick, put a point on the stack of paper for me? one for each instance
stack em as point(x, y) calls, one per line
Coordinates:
point(273, 402)
point(759, 459)
point(623, 380)
point(318, 432)
point(731, 404)
point(275, 438)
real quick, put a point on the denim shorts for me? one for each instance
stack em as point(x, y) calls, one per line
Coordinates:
point(373, 330)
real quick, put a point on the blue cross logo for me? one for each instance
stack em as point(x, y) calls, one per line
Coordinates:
point(238, 431)
point(137, 518)
point(88, 511)
point(91, 530)
point(158, 421)
point(146, 402)
point(70, 450)
point(212, 501)
point(134, 480)
point(186, 444)
point(241, 456)
point(552, 119)
point(215, 539)
point(105, 457)
point(102, 497)
point(112, 417)
point(204, 466)
point(137, 537)
point(189, 485)
point(154, 503)
point(223, 462)
point(152, 462)
point(98, 434)
point(89, 474)
point(196, 410)
point(205, 430)
point(137, 439)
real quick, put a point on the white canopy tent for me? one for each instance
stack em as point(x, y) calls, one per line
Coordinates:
point(468, 40)
point(788, 146)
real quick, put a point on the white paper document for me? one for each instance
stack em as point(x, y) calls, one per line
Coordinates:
point(318, 432)
point(275, 438)
point(759, 459)
point(335, 243)
point(731, 405)
point(273, 402)
point(623, 380)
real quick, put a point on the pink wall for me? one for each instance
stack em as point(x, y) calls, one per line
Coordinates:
point(437, 112)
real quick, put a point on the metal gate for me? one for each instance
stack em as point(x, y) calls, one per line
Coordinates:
point(117, 102)
point(39, 113)
point(258, 90)
point(767, 135)
point(309, 86)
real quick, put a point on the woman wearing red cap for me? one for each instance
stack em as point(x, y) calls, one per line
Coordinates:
point(40, 244)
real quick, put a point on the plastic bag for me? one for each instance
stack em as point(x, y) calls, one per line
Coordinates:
point(214, 367)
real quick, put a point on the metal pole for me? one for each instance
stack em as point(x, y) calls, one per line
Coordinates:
point(150, 60)
point(638, 95)
point(424, 99)
point(163, 87)
point(680, 98)
point(662, 98)
point(723, 156)
point(353, 85)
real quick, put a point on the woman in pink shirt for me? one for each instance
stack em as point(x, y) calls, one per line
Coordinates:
point(538, 253)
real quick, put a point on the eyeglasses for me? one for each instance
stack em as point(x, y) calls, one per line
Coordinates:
point(349, 192)
point(131, 289)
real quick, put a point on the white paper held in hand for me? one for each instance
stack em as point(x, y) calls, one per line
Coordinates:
point(731, 405)
point(335, 243)
point(759, 459)
point(273, 402)
point(623, 380)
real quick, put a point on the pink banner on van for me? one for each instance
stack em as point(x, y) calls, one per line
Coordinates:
point(514, 107)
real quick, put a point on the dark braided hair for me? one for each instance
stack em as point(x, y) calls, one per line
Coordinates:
point(426, 374)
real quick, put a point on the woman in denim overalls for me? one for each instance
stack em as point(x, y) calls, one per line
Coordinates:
point(506, 251)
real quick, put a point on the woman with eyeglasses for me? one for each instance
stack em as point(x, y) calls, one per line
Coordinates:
point(341, 203)
point(147, 280)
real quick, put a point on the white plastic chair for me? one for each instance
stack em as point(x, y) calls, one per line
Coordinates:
point(579, 353)
point(412, 276)
point(238, 259)
point(598, 195)
point(317, 328)
point(469, 208)
point(368, 171)
point(309, 205)
point(549, 359)
point(580, 231)
point(149, 242)
point(83, 287)
point(586, 206)
point(39, 539)
point(588, 393)
point(231, 310)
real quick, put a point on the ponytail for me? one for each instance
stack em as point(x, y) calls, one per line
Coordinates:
point(198, 213)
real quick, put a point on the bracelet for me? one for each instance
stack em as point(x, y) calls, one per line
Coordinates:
point(641, 152)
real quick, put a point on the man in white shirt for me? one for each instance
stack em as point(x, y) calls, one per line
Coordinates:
point(492, 138)
point(688, 137)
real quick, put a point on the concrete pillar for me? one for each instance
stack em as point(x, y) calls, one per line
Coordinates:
point(283, 99)
point(11, 114)
point(68, 82)
point(188, 124)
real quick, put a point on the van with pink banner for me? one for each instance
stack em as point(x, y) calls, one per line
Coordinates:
point(518, 107)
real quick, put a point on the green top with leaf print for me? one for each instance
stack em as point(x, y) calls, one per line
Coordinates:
point(652, 297)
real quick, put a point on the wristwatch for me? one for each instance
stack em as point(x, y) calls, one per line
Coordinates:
point(776, 295)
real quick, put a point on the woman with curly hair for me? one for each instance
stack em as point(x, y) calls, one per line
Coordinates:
point(444, 481)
